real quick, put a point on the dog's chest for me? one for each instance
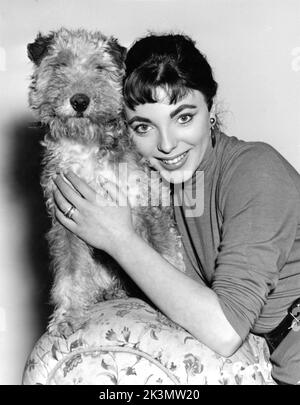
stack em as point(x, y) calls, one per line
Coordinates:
point(90, 164)
point(86, 161)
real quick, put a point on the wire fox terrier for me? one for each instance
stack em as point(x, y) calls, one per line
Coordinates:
point(76, 90)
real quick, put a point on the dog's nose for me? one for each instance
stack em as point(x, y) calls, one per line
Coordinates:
point(80, 102)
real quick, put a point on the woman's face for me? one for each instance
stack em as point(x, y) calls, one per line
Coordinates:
point(172, 137)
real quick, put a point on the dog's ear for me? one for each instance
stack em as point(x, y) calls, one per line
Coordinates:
point(117, 51)
point(39, 48)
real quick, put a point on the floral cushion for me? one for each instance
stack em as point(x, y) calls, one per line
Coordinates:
point(128, 342)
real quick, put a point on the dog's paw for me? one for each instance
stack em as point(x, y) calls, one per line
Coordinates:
point(63, 328)
point(114, 293)
point(62, 324)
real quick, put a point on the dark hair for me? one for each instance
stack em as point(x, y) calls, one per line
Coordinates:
point(169, 61)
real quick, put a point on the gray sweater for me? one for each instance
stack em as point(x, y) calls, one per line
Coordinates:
point(242, 238)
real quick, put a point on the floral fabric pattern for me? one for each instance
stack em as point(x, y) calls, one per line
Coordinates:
point(127, 342)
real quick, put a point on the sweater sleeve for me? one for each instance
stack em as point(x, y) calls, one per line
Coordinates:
point(258, 203)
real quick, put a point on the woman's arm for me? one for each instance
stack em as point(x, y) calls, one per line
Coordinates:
point(190, 304)
point(193, 306)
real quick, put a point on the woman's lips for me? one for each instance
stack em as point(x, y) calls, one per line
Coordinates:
point(174, 163)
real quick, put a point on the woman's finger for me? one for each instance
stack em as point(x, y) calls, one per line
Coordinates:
point(115, 193)
point(68, 191)
point(67, 209)
point(66, 222)
point(81, 186)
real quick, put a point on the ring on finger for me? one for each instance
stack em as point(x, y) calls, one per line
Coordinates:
point(70, 212)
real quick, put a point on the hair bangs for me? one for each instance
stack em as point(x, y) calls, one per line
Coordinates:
point(142, 85)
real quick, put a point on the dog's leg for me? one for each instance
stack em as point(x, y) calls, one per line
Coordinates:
point(79, 281)
point(156, 226)
point(154, 218)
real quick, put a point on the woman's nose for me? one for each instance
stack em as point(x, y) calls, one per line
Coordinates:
point(166, 143)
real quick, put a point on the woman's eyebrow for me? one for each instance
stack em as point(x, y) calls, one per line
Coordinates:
point(180, 108)
point(140, 119)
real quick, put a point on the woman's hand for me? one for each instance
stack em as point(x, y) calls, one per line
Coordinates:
point(96, 218)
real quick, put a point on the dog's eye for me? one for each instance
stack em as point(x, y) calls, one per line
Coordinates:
point(61, 65)
point(99, 68)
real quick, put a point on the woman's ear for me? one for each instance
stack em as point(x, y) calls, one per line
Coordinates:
point(39, 48)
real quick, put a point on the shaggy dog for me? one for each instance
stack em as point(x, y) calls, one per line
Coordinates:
point(76, 90)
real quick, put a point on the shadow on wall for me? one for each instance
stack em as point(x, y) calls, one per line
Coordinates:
point(25, 170)
point(25, 173)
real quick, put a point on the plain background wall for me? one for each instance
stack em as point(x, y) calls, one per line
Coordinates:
point(254, 48)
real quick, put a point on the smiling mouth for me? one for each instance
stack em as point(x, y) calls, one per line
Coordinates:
point(178, 159)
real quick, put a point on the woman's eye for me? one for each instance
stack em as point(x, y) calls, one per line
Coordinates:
point(183, 119)
point(142, 128)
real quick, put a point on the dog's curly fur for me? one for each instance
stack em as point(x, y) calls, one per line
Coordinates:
point(93, 143)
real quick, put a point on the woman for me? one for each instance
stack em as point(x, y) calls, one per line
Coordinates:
point(242, 242)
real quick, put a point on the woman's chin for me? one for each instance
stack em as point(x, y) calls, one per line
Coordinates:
point(176, 176)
